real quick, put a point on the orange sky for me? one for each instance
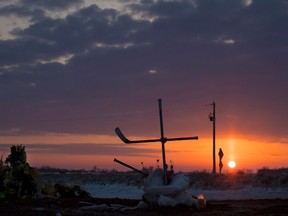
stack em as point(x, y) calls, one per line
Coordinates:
point(184, 155)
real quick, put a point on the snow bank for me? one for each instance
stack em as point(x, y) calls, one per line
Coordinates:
point(114, 191)
point(265, 184)
point(243, 193)
point(134, 192)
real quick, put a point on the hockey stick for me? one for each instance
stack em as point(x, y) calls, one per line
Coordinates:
point(127, 141)
point(121, 135)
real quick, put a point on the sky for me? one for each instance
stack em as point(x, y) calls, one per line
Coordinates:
point(71, 71)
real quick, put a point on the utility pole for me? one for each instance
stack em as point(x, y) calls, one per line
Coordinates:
point(212, 118)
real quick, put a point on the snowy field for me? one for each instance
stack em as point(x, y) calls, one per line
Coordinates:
point(135, 192)
point(265, 184)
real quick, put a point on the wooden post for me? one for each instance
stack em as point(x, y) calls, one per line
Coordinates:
point(162, 139)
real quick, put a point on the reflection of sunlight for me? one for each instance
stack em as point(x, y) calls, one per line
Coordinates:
point(104, 4)
point(152, 71)
point(123, 45)
point(231, 149)
point(64, 59)
point(247, 2)
point(9, 23)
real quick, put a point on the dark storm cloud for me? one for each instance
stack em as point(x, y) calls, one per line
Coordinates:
point(77, 33)
point(22, 11)
point(211, 50)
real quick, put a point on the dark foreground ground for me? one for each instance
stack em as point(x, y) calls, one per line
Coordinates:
point(119, 207)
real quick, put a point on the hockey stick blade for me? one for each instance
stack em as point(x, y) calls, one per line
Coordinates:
point(121, 135)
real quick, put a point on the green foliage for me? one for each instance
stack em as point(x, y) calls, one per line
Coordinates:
point(17, 178)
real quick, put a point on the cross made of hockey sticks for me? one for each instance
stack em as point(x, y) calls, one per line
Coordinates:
point(162, 139)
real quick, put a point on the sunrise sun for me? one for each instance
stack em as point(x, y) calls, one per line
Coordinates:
point(232, 164)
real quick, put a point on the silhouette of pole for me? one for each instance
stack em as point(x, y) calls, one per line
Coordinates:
point(163, 141)
point(213, 119)
point(129, 166)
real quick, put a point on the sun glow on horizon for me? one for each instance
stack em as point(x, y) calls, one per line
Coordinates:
point(231, 164)
point(88, 150)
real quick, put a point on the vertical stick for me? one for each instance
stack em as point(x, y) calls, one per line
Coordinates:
point(163, 140)
point(214, 134)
